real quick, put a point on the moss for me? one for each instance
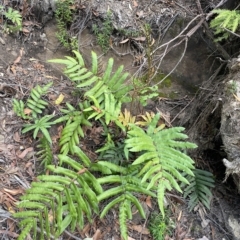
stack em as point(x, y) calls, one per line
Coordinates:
point(166, 82)
point(170, 95)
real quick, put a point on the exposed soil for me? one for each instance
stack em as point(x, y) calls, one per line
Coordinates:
point(23, 65)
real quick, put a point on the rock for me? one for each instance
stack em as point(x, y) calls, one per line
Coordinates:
point(234, 225)
point(230, 122)
point(44, 5)
point(44, 9)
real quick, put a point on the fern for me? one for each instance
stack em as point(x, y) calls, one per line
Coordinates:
point(121, 193)
point(148, 162)
point(61, 199)
point(18, 108)
point(161, 157)
point(35, 103)
point(107, 93)
point(45, 152)
point(42, 125)
point(226, 19)
point(198, 189)
point(73, 130)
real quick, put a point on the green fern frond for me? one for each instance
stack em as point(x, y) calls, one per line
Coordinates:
point(35, 103)
point(45, 154)
point(198, 190)
point(18, 108)
point(161, 157)
point(226, 19)
point(41, 125)
point(106, 92)
point(121, 190)
point(65, 197)
point(72, 132)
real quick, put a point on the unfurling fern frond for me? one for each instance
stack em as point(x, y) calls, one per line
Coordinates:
point(35, 103)
point(198, 190)
point(226, 19)
point(45, 154)
point(160, 154)
point(60, 200)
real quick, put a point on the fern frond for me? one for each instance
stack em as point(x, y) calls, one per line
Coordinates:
point(107, 92)
point(68, 193)
point(126, 118)
point(18, 108)
point(45, 152)
point(226, 19)
point(123, 218)
point(198, 190)
point(35, 103)
point(41, 125)
point(161, 157)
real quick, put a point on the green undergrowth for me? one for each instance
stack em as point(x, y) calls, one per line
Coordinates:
point(64, 16)
point(160, 227)
point(225, 24)
point(137, 157)
point(103, 32)
point(12, 19)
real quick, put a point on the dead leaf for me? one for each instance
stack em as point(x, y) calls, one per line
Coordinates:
point(236, 97)
point(27, 23)
point(38, 66)
point(149, 202)
point(27, 111)
point(13, 70)
point(11, 234)
point(97, 235)
point(129, 238)
point(124, 41)
point(135, 4)
point(153, 41)
point(29, 168)
point(139, 14)
point(140, 39)
point(82, 171)
point(51, 77)
point(16, 137)
point(140, 229)
point(179, 216)
point(25, 152)
point(25, 30)
point(14, 191)
point(18, 59)
point(59, 100)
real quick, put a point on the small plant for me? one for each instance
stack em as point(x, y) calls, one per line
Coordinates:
point(64, 17)
point(225, 20)
point(198, 189)
point(143, 92)
point(160, 227)
point(232, 87)
point(14, 17)
point(103, 34)
point(147, 160)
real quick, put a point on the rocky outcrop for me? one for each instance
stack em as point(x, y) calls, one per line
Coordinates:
point(230, 122)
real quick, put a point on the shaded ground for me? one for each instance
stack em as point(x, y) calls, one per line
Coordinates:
point(23, 66)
